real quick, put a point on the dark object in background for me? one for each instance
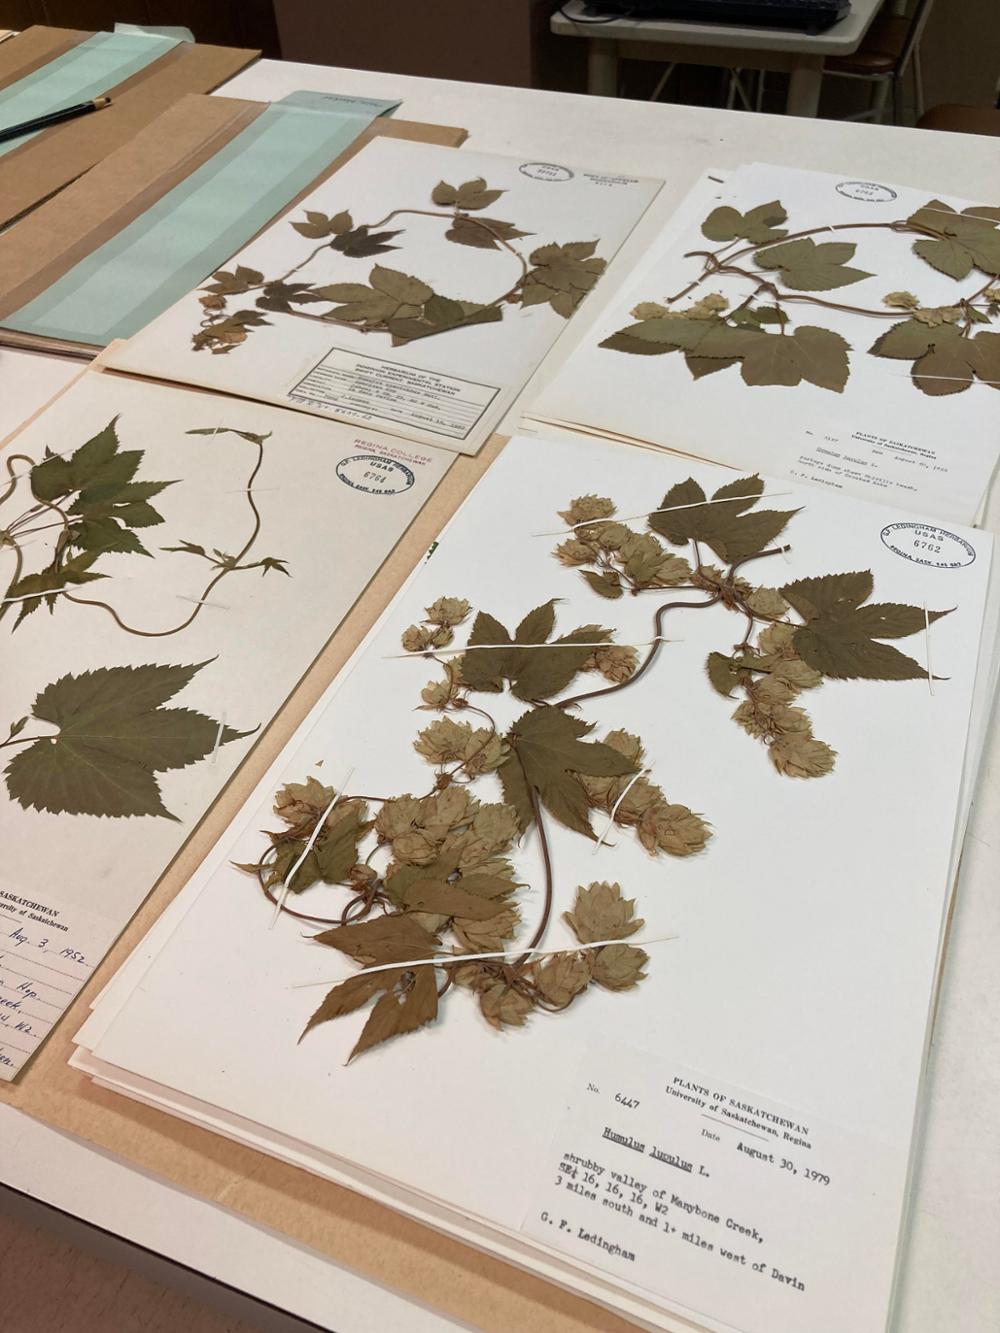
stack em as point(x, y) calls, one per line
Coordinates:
point(961, 119)
point(217, 22)
point(477, 41)
point(808, 15)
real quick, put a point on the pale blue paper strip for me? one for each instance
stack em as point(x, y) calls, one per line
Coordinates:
point(193, 229)
point(88, 70)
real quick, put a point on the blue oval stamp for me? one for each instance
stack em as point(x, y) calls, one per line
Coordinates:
point(375, 474)
point(925, 544)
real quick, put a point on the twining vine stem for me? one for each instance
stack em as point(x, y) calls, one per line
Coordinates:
point(482, 223)
point(714, 265)
point(66, 523)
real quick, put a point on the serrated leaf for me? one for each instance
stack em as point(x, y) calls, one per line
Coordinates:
point(402, 288)
point(808, 267)
point(485, 668)
point(907, 340)
point(625, 342)
point(839, 637)
point(547, 743)
point(475, 195)
point(669, 330)
point(113, 737)
point(757, 225)
point(359, 243)
point(945, 369)
point(444, 194)
point(451, 900)
point(482, 233)
point(394, 1015)
point(947, 256)
point(392, 938)
point(348, 996)
point(722, 526)
point(442, 311)
point(337, 852)
point(516, 792)
point(51, 479)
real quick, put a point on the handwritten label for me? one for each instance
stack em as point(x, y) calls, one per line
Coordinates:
point(719, 1201)
point(46, 955)
point(370, 388)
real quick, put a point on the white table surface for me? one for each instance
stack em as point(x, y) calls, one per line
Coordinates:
point(951, 1278)
point(842, 39)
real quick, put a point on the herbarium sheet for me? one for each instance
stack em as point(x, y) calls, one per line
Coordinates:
point(173, 562)
point(644, 789)
point(415, 291)
point(829, 330)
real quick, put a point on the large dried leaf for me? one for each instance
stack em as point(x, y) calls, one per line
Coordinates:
point(726, 528)
point(808, 353)
point(668, 331)
point(756, 225)
point(840, 635)
point(535, 673)
point(396, 1014)
point(548, 745)
point(470, 195)
point(337, 851)
point(113, 737)
point(961, 241)
point(482, 233)
point(808, 267)
point(392, 938)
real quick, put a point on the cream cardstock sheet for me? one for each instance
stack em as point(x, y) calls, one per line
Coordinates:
point(232, 579)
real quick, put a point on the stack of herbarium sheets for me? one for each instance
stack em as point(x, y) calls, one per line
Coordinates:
point(834, 331)
point(617, 960)
point(176, 559)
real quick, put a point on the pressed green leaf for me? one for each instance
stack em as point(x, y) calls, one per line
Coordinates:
point(757, 225)
point(906, 340)
point(51, 479)
point(337, 852)
point(516, 791)
point(113, 737)
point(671, 330)
point(726, 528)
point(485, 668)
point(547, 743)
point(839, 637)
point(400, 286)
point(808, 267)
point(947, 256)
point(700, 366)
point(625, 342)
point(945, 369)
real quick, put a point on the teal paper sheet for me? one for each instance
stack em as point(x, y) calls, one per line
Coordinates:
point(198, 225)
point(88, 70)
